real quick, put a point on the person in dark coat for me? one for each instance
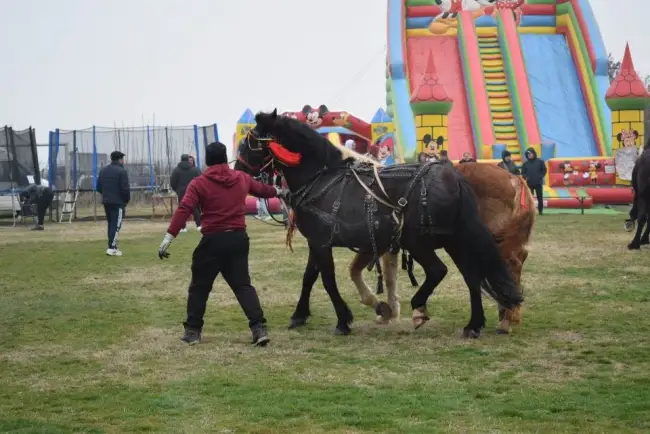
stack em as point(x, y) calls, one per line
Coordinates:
point(467, 158)
point(534, 170)
point(181, 177)
point(221, 193)
point(113, 185)
point(507, 163)
point(42, 197)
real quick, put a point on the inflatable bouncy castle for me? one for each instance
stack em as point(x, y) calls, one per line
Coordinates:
point(484, 76)
point(341, 128)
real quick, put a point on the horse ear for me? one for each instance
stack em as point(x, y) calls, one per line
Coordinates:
point(619, 136)
point(636, 134)
point(306, 110)
point(274, 113)
point(323, 110)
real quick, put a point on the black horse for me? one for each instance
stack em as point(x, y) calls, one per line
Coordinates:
point(641, 204)
point(340, 203)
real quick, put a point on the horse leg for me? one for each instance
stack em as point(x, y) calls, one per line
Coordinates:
point(508, 317)
point(361, 260)
point(390, 261)
point(472, 279)
point(434, 270)
point(325, 262)
point(645, 238)
point(302, 312)
point(641, 220)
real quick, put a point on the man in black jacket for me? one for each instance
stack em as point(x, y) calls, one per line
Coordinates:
point(534, 171)
point(181, 177)
point(113, 185)
point(507, 163)
point(42, 197)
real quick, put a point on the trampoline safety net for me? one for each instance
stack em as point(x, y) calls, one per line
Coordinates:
point(77, 156)
point(18, 159)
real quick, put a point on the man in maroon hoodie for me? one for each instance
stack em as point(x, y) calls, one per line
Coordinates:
point(220, 192)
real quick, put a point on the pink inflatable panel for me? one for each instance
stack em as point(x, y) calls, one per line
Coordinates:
point(251, 205)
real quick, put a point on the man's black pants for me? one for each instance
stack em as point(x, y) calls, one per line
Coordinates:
point(114, 218)
point(42, 204)
point(196, 212)
point(225, 253)
point(539, 193)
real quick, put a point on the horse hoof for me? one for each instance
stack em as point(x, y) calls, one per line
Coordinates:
point(342, 331)
point(420, 317)
point(383, 310)
point(629, 225)
point(634, 246)
point(381, 320)
point(501, 331)
point(471, 333)
point(294, 323)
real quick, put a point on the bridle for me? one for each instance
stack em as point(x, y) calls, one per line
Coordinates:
point(263, 175)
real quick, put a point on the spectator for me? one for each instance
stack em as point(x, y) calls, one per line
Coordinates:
point(467, 158)
point(507, 163)
point(42, 197)
point(349, 143)
point(113, 185)
point(534, 171)
point(181, 177)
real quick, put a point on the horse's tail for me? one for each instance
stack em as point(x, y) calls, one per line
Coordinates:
point(516, 233)
point(483, 252)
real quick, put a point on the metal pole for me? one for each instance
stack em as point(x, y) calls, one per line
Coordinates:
point(197, 147)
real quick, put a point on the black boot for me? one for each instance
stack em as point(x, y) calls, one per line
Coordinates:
point(191, 336)
point(260, 336)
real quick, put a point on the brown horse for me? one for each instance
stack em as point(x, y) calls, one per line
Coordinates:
point(508, 209)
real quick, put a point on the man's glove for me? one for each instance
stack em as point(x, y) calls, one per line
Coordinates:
point(164, 246)
point(283, 193)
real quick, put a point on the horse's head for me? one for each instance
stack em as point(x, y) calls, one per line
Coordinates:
point(253, 157)
point(291, 139)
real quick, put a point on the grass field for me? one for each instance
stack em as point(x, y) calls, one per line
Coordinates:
point(90, 343)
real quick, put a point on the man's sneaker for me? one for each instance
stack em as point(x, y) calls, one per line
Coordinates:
point(198, 228)
point(38, 228)
point(191, 336)
point(184, 230)
point(629, 225)
point(113, 252)
point(260, 336)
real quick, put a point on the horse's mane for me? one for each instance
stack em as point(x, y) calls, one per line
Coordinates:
point(292, 130)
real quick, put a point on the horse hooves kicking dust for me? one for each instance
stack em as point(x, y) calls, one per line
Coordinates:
point(420, 317)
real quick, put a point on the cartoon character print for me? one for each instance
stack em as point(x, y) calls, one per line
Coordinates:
point(314, 117)
point(503, 5)
point(450, 11)
point(627, 139)
point(382, 151)
point(593, 171)
point(341, 119)
point(568, 170)
point(380, 130)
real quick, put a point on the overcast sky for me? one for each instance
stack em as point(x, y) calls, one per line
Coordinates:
point(74, 63)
